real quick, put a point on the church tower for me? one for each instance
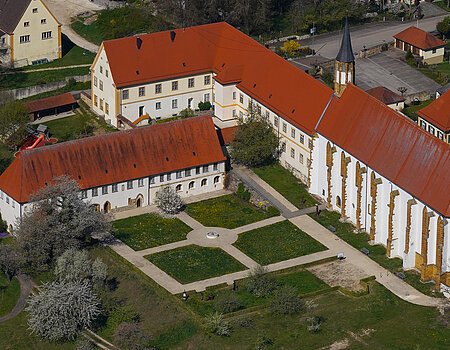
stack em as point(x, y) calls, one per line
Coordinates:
point(344, 67)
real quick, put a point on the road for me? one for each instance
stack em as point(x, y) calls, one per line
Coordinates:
point(369, 35)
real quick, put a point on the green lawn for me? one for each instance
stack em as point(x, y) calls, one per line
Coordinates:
point(149, 230)
point(226, 211)
point(277, 242)
point(286, 184)
point(377, 252)
point(411, 111)
point(82, 124)
point(442, 4)
point(75, 56)
point(9, 294)
point(193, 263)
point(20, 80)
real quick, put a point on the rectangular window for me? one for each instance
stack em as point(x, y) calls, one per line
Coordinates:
point(241, 114)
point(101, 104)
point(101, 85)
point(174, 103)
point(258, 109)
point(106, 108)
point(95, 81)
point(161, 178)
point(434, 50)
point(301, 158)
point(141, 91)
point(310, 144)
point(158, 105)
point(267, 115)
point(187, 172)
point(95, 100)
point(35, 10)
point(158, 88)
point(152, 180)
point(234, 95)
point(94, 192)
point(46, 35)
point(104, 189)
point(26, 24)
point(431, 129)
point(283, 147)
point(179, 175)
point(284, 127)
point(83, 194)
point(140, 182)
point(302, 138)
point(197, 170)
point(107, 73)
point(292, 153)
point(276, 121)
point(174, 85)
point(7, 200)
point(115, 188)
point(234, 113)
point(24, 39)
point(206, 98)
point(241, 98)
point(101, 69)
point(125, 94)
point(215, 166)
point(191, 82)
point(440, 135)
point(130, 185)
point(293, 133)
point(169, 176)
point(207, 80)
point(205, 168)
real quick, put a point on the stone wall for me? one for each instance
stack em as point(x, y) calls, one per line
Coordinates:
point(232, 182)
point(375, 49)
point(421, 96)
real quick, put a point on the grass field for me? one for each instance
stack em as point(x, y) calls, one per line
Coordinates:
point(411, 111)
point(377, 252)
point(149, 230)
point(226, 211)
point(194, 263)
point(277, 242)
point(75, 56)
point(9, 294)
point(286, 184)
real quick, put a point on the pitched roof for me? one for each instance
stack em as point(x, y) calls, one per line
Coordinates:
point(233, 56)
point(419, 38)
point(385, 95)
point(11, 11)
point(226, 135)
point(345, 53)
point(438, 112)
point(115, 157)
point(50, 102)
point(392, 145)
point(443, 89)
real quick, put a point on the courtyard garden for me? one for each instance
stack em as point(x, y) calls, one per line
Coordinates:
point(277, 242)
point(228, 211)
point(149, 230)
point(286, 184)
point(193, 263)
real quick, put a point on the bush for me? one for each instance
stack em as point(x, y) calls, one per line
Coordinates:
point(260, 283)
point(216, 324)
point(243, 193)
point(227, 303)
point(186, 113)
point(314, 324)
point(286, 301)
point(263, 342)
point(204, 106)
point(272, 211)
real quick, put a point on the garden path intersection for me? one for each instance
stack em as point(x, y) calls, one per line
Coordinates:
point(226, 238)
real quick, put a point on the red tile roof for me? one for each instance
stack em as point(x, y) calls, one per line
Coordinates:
point(385, 95)
point(115, 157)
point(419, 38)
point(50, 102)
point(233, 56)
point(438, 112)
point(227, 134)
point(392, 145)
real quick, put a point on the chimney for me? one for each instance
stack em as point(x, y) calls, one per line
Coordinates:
point(172, 35)
point(138, 42)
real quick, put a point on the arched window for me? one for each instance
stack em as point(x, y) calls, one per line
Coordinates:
point(204, 182)
point(106, 207)
point(216, 179)
point(338, 201)
point(179, 187)
point(191, 185)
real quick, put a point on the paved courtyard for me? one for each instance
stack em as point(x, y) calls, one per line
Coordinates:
point(227, 237)
point(386, 69)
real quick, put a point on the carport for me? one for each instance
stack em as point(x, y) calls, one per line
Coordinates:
point(51, 106)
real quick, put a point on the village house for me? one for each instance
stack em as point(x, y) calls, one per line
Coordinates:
point(29, 33)
point(388, 97)
point(435, 118)
point(422, 44)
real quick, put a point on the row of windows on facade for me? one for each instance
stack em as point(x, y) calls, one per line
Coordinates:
point(115, 187)
point(163, 177)
point(27, 38)
point(104, 106)
point(432, 130)
point(43, 21)
point(8, 201)
point(174, 102)
point(158, 87)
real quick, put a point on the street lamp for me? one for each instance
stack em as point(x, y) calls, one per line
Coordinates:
point(184, 296)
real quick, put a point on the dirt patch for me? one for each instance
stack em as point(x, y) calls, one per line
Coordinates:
point(340, 273)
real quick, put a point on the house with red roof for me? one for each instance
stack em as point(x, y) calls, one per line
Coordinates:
point(388, 97)
point(421, 43)
point(120, 170)
point(435, 118)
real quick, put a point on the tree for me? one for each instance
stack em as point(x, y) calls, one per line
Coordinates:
point(255, 142)
point(217, 324)
point(13, 122)
point(260, 283)
point(130, 336)
point(58, 219)
point(168, 200)
point(291, 48)
point(443, 26)
point(286, 301)
point(75, 265)
point(3, 224)
point(62, 309)
point(10, 261)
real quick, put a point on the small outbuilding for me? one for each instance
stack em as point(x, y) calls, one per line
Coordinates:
point(52, 105)
point(421, 43)
point(388, 97)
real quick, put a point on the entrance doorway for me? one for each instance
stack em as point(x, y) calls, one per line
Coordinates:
point(106, 207)
point(190, 102)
